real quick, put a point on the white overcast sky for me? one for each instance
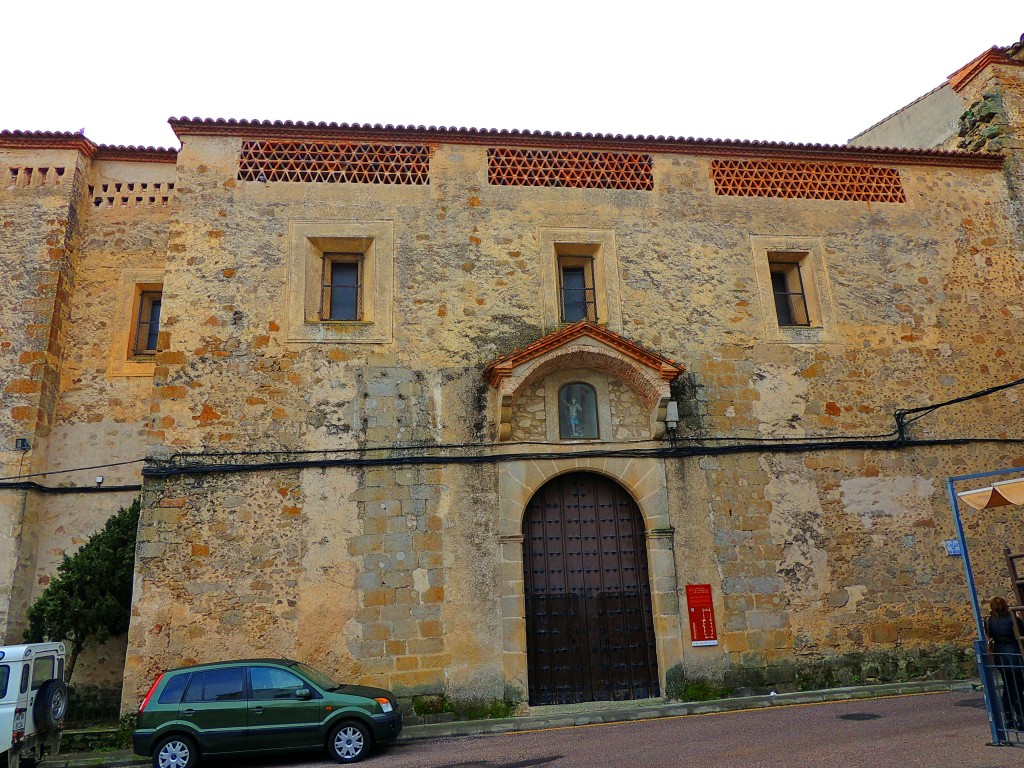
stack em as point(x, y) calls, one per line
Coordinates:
point(783, 71)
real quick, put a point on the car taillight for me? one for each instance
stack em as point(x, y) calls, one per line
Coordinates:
point(384, 704)
point(19, 724)
point(152, 688)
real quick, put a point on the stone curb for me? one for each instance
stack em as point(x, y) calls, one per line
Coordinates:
point(118, 759)
point(607, 714)
point(629, 713)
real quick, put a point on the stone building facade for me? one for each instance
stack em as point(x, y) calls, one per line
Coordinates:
point(468, 411)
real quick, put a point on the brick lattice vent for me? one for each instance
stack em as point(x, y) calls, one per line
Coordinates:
point(313, 161)
point(567, 168)
point(814, 181)
point(131, 194)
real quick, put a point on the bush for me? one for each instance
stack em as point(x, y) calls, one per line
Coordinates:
point(481, 709)
point(91, 596)
point(465, 709)
point(125, 726)
point(679, 687)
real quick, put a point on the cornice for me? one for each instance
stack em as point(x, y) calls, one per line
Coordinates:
point(354, 132)
point(47, 140)
point(136, 154)
point(994, 55)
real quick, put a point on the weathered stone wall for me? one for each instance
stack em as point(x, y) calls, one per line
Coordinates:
point(391, 574)
point(103, 415)
point(66, 255)
point(39, 195)
point(384, 545)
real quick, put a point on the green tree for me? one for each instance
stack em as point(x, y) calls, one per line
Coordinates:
point(91, 596)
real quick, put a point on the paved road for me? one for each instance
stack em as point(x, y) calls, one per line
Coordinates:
point(923, 731)
point(910, 731)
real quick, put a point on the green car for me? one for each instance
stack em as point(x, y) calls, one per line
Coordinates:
point(260, 705)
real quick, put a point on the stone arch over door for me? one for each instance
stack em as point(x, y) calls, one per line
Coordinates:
point(587, 594)
point(644, 481)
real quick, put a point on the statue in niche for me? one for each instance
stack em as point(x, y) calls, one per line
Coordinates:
point(577, 412)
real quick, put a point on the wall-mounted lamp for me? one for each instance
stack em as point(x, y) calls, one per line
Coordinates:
point(21, 444)
point(672, 420)
point(99, 479)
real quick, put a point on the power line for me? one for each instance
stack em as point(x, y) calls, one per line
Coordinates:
point(77, 469)
point(434, 453)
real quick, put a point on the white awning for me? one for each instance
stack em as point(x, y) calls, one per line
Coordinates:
point(996, 495)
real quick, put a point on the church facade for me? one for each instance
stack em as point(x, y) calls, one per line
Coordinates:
point(510, 414)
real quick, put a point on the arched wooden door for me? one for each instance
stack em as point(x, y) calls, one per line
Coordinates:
point(589, 624)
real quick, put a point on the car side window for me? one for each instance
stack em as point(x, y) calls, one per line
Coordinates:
point(5, 674)
point(172, 691)
point(194, 692)
point(224, 684)
point(24, 677)
point(42, 670)
point(272, 683)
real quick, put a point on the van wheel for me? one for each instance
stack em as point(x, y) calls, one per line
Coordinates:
point(175, 751)
point(51, 705)
point(349, 742)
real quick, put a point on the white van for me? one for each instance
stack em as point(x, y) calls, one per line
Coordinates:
point(33, 701)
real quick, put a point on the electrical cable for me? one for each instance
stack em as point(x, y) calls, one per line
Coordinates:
point(59, 489)
point(76, 469)
point(180, 463)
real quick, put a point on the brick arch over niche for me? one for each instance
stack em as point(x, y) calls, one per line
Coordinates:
point(581, 345)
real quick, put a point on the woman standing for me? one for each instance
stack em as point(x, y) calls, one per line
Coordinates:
point(1006, 656)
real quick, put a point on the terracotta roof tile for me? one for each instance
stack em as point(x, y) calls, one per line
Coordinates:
point(994, 55)
point(136, 153)
point(69, 140)
point(253, 129)
point(46, 140)
point(498, 369)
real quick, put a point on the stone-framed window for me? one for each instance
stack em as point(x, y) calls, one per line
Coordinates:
point(340, 281)
point(793, 289)
point(580, 274)
point(135, 338)
point(577, 412)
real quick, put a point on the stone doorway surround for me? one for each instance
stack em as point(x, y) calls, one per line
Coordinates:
point(584, 345)
point(645, 481)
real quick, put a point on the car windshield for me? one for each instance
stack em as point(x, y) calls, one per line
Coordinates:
point(5, 675)
point(317, 677)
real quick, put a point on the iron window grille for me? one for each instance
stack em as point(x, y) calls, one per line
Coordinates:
point(576, 288)
point(341, 294)
point(790, 298)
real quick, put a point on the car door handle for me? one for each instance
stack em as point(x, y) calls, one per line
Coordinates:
point(258, 710)
point(188, 712)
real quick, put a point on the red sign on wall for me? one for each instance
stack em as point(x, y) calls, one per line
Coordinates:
point(702, 614)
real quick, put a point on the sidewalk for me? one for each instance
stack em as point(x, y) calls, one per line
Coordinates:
point(568, 715)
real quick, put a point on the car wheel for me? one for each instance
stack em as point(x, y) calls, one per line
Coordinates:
point(51, 705)
point(175, 751)
point(349, 742)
